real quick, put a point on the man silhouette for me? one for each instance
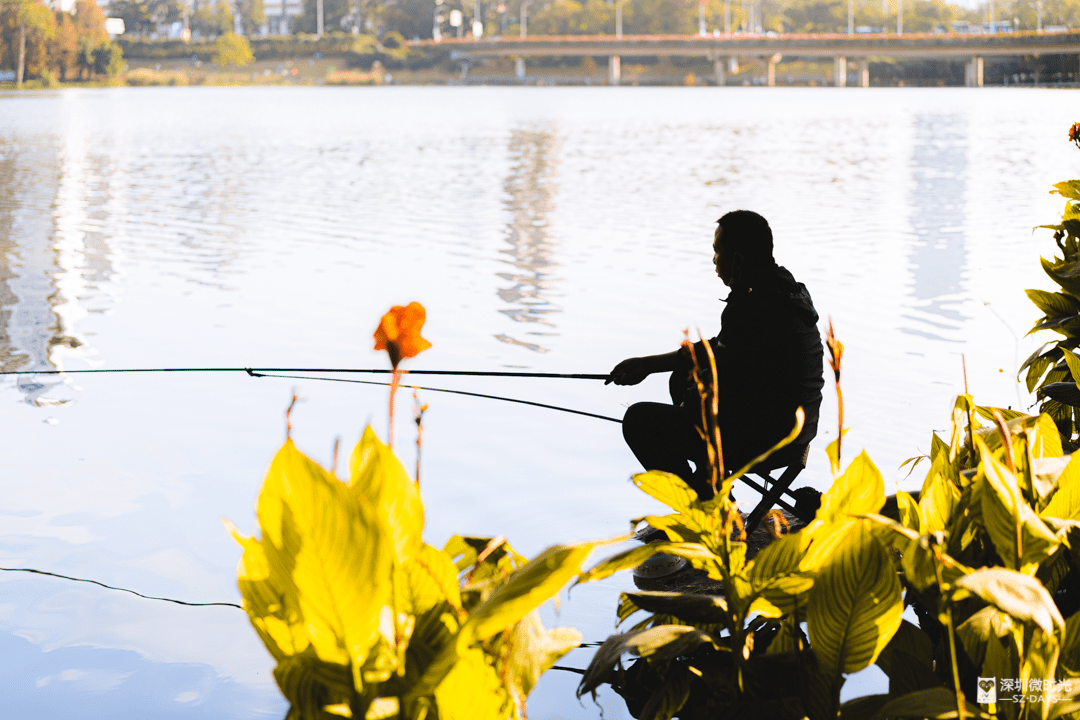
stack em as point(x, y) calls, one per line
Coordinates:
point(768, 363)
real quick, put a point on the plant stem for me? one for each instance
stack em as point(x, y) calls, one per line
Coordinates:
point(395, 379)
point(960, 702)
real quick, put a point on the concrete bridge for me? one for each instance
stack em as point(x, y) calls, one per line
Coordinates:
point(721, 49)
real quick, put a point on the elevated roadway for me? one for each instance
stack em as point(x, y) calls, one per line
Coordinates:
point(841, 47)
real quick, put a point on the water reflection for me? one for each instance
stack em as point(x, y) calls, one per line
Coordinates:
point(530, 190)
point(48, 262)
point(937, 200)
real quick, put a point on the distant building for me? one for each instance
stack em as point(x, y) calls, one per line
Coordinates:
point(281, 14)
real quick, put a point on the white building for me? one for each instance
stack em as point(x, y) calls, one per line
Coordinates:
point(281, 14)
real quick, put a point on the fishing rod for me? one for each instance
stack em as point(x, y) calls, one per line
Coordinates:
point(443, 390)
point(379, 371)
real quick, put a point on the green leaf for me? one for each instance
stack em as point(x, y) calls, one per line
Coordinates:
point(671, 696)
point(472, 690)
point(525, 591)
point(1070, 646)
point(859, 490)
point(320, 577)
point(1065, 502)
point(977, 630)
point(691, 608)
point(311, 684)
point(672, 639)
point(1064, 273)
point(862, 708)
point(669, 489)
point(932, 703)
point(678, 527)
point(855, 604)
point(1054, 305)
point(908, 511)
point(1069, 189)
point(832, 451)
point(774, 573)
point(938, 499)
point(1019, 595)
point(909, 644)
point(377, 474)
point(1072, 362)
point(1064, 392)
point(1009, 520)
point(698, 555)
point(532, 649)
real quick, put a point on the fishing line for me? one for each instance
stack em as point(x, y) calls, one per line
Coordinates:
point(253, 373)
point(110, 587)
point(380, 371)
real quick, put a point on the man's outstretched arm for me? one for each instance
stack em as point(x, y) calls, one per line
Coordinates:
point(633, 370)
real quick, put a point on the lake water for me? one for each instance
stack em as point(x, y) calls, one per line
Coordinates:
point(549, 229)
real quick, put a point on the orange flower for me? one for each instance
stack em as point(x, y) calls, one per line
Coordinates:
point(1074, 134)
point(399, 333)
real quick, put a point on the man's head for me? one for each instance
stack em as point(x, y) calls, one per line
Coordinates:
point(743, 239)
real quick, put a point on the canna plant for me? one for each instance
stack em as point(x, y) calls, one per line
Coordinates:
point(1053, 370)
point(987, 554)
point(744, 653)
point(366, 620)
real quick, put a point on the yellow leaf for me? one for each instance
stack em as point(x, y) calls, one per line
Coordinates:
point(855, 605)
point(377, 474)
point(326, 577)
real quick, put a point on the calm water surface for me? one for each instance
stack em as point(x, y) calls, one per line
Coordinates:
point(556, 230)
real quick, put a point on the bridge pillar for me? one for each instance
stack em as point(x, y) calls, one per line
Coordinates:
point(864, 73)
point(520, 68)
point(770, 78)
point(718, 67)
point(840, 72)
point(973, 75)
point(614, 70)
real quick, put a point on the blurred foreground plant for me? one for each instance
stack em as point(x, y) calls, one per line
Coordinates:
point(365, 620)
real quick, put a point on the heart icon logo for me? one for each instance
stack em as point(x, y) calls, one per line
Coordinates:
point(987, 684)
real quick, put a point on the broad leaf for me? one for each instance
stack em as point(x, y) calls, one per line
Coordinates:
point(932, 703)
point(855, 604)
point(525, 591)
point(1054, 305)
point(472, 690)
point(320, 576)
point(377, 474)
point(1020, 537)
point(641, 642)
point(532, 649)
point(938, 499)
point(688, 607)
point(1065, 503)
point(1019, 595)
point(1069, 189)
point(698, 555)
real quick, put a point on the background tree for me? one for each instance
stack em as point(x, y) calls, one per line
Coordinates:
point(27, 26)
point(213, 20)
point(65, 49)
point(252, 16)
point(233, 49)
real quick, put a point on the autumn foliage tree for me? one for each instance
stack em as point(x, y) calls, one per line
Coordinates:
point(35, 40)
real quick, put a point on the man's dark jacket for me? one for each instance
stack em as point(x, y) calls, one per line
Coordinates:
point(769, 362)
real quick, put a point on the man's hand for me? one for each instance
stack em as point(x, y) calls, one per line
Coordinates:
point(630, 371)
